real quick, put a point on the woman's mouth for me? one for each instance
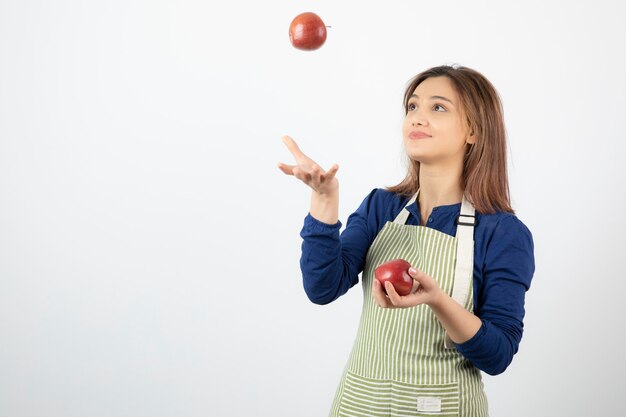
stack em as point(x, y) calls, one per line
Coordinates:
point(418, 135)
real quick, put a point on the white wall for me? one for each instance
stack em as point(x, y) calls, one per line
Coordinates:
point(149, 246)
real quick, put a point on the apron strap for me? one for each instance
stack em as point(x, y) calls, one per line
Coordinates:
point(402, 217)
point(464, 269)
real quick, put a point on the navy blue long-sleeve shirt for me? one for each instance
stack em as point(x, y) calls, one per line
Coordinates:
point(503, 267)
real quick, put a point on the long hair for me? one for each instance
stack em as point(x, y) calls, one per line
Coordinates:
point(484, 176)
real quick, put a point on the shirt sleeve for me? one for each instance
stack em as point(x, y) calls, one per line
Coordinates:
point(507, 273)
point(330, 261)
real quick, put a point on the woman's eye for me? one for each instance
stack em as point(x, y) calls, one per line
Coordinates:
point(439, 106)
point(411, 107)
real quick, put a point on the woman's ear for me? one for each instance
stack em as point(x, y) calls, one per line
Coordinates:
point(471, 139)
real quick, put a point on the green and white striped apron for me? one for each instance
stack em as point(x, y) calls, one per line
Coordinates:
point(402, 363)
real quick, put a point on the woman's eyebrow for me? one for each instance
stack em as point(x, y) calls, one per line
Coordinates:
point(435, 98)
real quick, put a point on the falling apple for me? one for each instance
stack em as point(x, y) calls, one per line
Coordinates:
point(307, 31)
point(395, 271)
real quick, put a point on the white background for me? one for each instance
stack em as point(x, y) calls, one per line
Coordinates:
point(149, 246)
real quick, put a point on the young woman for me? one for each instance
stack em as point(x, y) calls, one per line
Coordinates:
point(451, 219)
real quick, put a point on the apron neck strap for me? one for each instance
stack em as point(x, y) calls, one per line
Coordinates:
point(402, 217)
point(468, 214)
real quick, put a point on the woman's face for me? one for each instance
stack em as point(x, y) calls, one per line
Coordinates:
point(435, 129)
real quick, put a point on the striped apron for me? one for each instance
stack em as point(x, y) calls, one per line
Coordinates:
point(402, 362)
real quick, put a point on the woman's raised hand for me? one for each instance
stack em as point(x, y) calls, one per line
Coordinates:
point(309, 172)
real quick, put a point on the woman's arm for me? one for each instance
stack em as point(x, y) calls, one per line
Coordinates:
point(330, 261)
point(506, 276)
point(330, 264)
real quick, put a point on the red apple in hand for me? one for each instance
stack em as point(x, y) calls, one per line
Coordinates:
point(307, 31)
point(395, 271)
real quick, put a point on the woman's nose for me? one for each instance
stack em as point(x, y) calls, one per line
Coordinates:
point(418, 117)
point(418, 120)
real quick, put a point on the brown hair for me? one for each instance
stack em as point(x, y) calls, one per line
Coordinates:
point(484, 177)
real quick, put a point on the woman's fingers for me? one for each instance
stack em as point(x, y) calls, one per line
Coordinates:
point(316, 171)
point(315, 178)
point(428, 289)
point(301, 174)
point(388, 297)
point(425, 289)
point(416, 286)
point(379, 294)
point(330, 174)
point(307, 171)
point(425, 282)
point(287, 169)
point(294, 149)
point(394, 297)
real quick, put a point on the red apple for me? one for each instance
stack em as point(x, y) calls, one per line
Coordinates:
point(307, 31)
point(395, 271)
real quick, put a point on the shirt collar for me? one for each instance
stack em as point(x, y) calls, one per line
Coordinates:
point(415, 211)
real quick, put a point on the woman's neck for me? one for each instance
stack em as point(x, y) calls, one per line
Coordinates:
point(439, 186)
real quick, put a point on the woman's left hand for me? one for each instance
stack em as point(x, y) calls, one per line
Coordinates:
point(425, 291)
